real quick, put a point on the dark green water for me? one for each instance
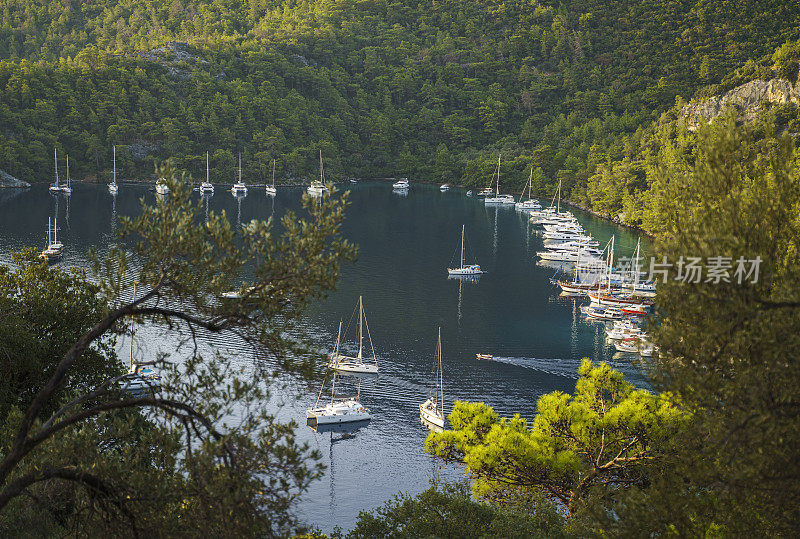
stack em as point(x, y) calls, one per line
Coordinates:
point(406, 244)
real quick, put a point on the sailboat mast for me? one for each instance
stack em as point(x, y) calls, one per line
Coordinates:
point(635, 267)
point(440, 376)
point(497, 188)
point(462, 246)
point(273, 173)
point(321, 174)
point(558, 208)
point(67, 170)
point(530, 184)
point(338, 337)
point(240, 167)
point(115, 164)
point(208, 172)
point(131, 345)
point(610, 263)
point(55, 160)
point(360, 326)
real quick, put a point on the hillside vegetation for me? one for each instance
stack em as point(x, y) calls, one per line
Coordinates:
point(432, 90)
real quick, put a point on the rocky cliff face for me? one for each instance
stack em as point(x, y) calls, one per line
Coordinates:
point(7, 180)
point(747, 99)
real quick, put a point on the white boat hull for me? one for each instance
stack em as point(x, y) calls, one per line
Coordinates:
point(429, 414)
point(465, 271)
point(348, 411)
point(352, 365)
point(271, 190)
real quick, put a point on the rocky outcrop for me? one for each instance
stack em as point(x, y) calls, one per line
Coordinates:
point(7, 180)
point(175, 57)
point(746, 99)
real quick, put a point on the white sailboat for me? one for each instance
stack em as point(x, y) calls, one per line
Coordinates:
point(355, 365)
point(318, 187)
point(239, 188)
point(55, 187)
point(529, 203)
point(140, 375)
point(338, 410)
point(498, 199)
point(432, 410)
point(112, 187)
point(271, 188)
point(207, 186)
point(462, 269)
point(66, 189)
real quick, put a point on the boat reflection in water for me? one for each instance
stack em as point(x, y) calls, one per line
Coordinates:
point(349, 429)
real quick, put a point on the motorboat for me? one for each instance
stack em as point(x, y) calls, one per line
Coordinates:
point(444, 187)
point(401, 184)
point(484, 357)
point(485, 192)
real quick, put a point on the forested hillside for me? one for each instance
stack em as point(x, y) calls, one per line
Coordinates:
point(432, 90)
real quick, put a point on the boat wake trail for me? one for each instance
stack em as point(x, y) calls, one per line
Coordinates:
point(567, 368)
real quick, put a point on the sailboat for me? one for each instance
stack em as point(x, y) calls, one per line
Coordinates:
point(66, 189)
point(341, 410)
point(318, 188)
point(498, 198)
point(140, 376)
point(54, 248)
point(207, 186)
point(462, 269)
point(355, 365)
point(112, 187)
point(271, 188)
point(55, 187)
point(432, 410)
point(239, 187)
point(529, 203)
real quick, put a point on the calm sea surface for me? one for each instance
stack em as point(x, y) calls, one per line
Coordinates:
point(406, 244)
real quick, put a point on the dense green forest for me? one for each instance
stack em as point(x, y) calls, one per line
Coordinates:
point(431, 90)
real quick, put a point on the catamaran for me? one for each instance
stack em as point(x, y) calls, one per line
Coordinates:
point(318, 187)
point(112, 187)
point(239, 188)
point(432, 410)
point(54, 248)
point(341, 410)
point(271, 188)
point(355, 365)
point(498, 198)
point(207, 186)
point(463, 269)
point(529, 203)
